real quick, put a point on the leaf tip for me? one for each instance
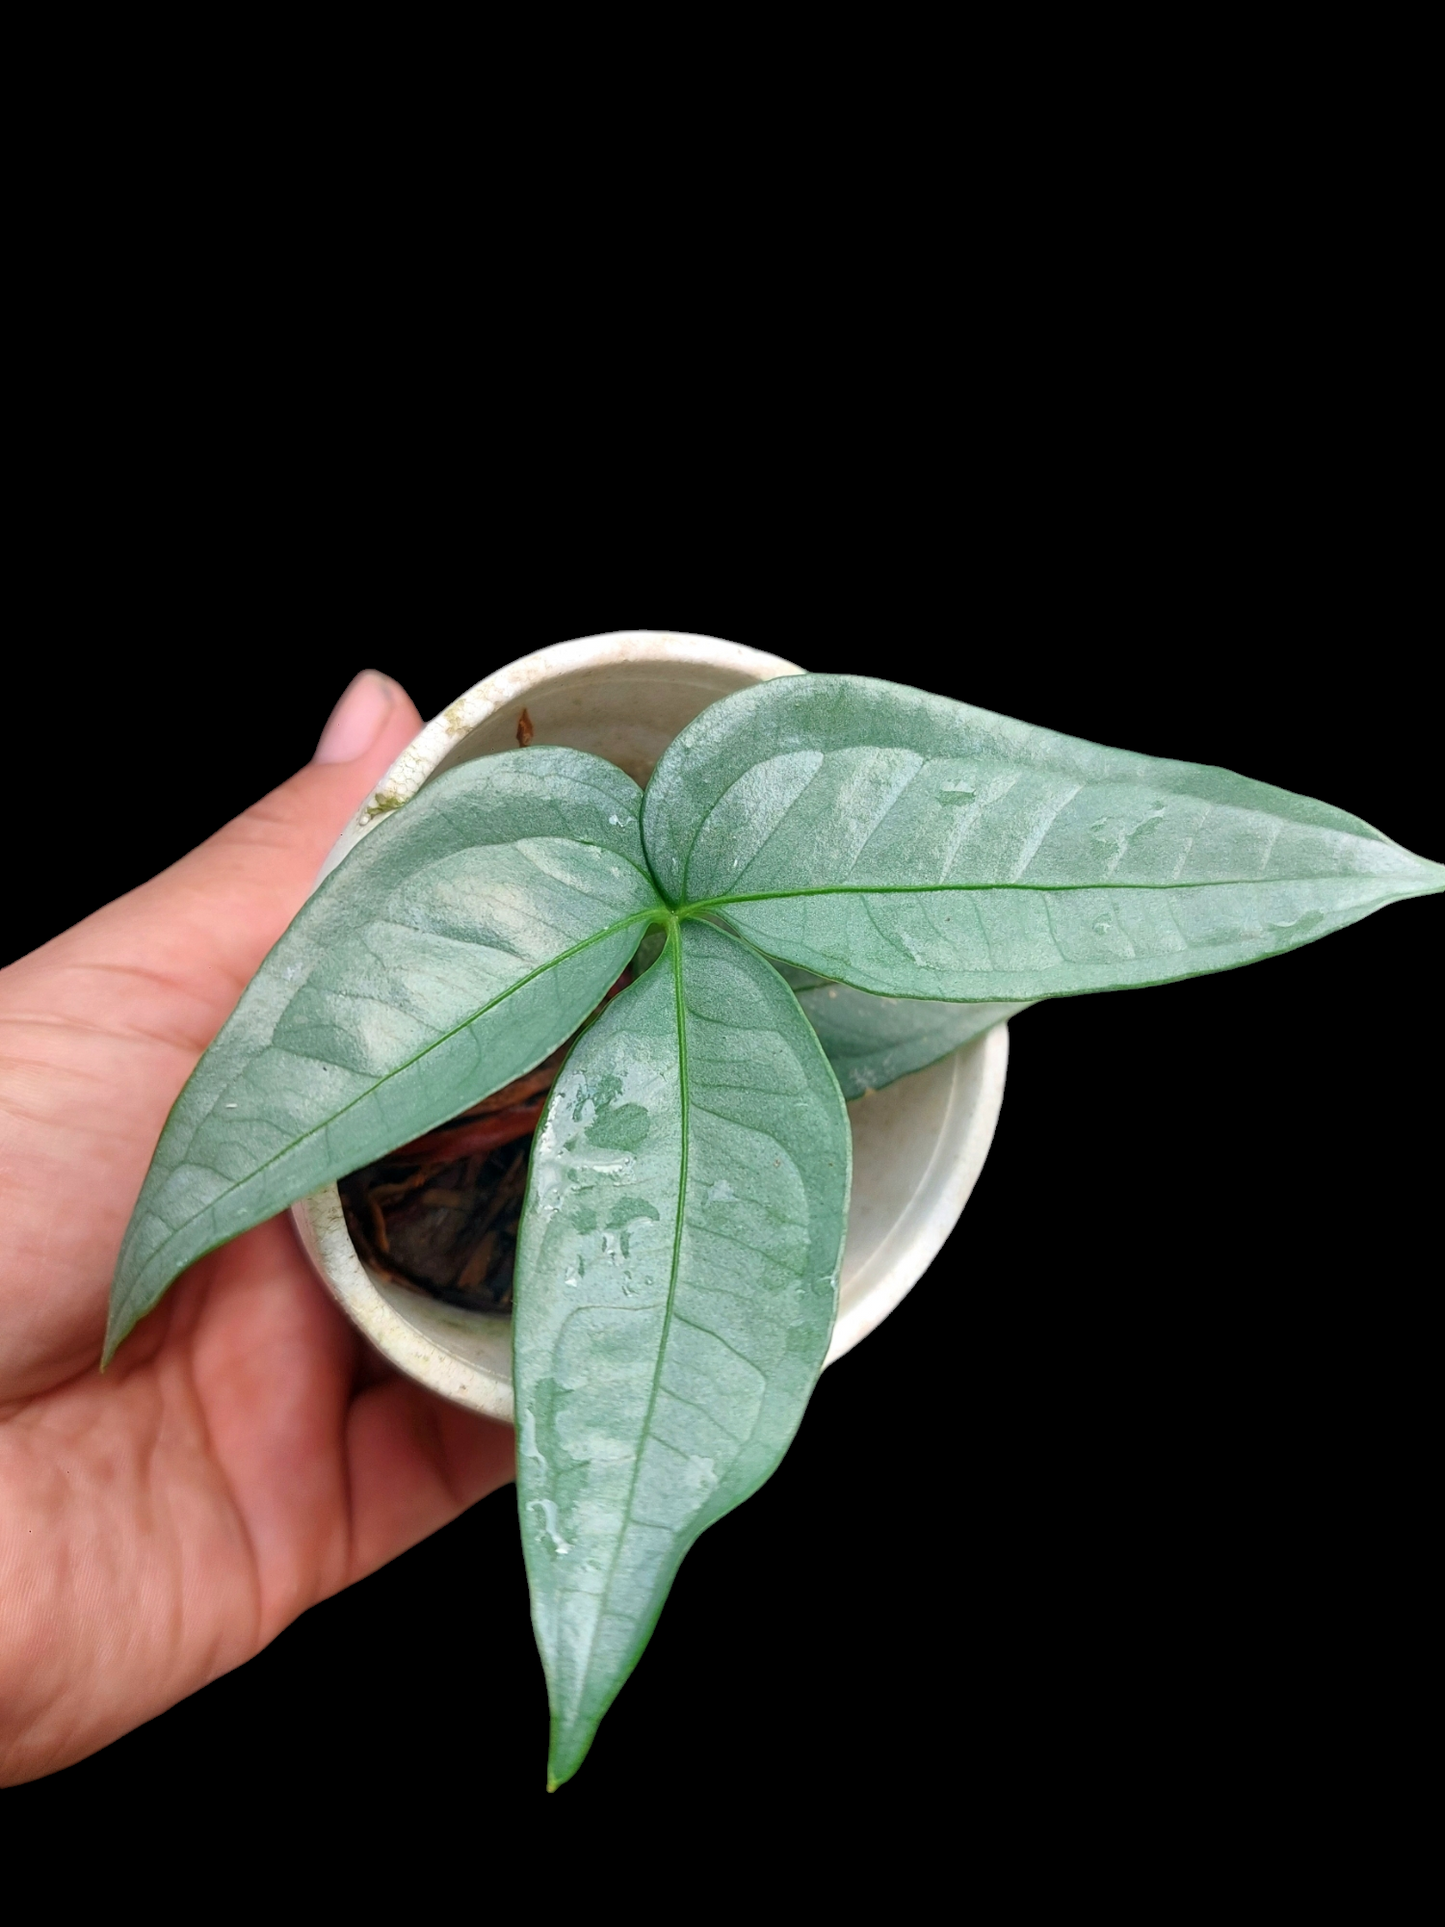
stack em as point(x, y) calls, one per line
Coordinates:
point(120, 1322)
point(114, 1339)
point(568, 1749)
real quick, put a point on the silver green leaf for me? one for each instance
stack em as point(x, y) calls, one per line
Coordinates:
point(461, 941)
point(676, 1287)
point(919, 847)
point(872, 1041)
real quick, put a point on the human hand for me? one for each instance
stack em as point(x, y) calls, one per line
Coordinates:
point(246, 1454)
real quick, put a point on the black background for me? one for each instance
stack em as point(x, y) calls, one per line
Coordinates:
point(1121, 1498)
point(1120, 1513)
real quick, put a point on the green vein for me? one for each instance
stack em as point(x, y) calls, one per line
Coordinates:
point(362, 1097)
point(705, 904)
point(674, 941)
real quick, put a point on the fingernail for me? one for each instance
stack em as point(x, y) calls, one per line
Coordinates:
point(358, 719)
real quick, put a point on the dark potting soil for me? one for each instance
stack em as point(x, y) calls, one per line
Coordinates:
point(440, 1214)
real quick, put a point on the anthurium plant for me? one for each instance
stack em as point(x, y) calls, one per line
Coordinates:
point(828, 882)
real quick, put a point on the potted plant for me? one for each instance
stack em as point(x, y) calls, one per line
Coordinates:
point(518, 932)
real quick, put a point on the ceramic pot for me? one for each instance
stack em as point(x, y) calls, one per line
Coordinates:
point(918, 1146)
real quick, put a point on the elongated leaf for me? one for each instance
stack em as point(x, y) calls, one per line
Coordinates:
point(458, 944)
point(872, 1041)
point(919, 847)
point(676, 1286)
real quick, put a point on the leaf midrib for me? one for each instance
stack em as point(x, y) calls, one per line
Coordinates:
point(637, 916)
point(674, 943)
point(704, 904)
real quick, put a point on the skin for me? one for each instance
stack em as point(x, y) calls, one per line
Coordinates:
point(246, 1454)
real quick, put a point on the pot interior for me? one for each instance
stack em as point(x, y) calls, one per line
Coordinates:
point(627, 712)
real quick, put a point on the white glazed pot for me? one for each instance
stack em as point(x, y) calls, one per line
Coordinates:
point(918, 1146)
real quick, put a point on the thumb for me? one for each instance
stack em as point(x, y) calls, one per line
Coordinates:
point(204, 925)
